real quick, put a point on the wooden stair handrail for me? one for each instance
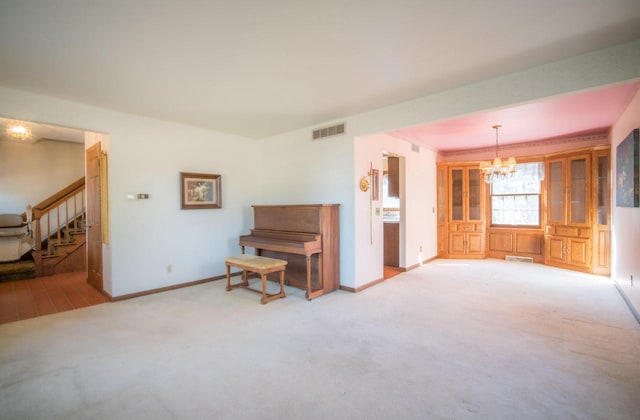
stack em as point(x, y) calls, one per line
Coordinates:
point(57, 198)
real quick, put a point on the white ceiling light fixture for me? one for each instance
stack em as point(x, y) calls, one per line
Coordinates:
point(19, 130)
point(498, 170)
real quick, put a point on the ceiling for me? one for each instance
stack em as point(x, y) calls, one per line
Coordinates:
point(256, 68)
point(579, 114)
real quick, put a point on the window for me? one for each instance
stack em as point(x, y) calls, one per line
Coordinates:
point(516, 201)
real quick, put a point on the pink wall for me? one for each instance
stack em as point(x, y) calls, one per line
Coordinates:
point(626, 220)
point(536, 148)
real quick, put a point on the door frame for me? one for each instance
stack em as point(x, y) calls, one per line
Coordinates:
point(93, 197)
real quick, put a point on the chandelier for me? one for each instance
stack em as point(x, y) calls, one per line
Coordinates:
point(498, 170)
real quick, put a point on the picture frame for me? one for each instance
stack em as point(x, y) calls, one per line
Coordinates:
point(627, 171)
point(200, 191)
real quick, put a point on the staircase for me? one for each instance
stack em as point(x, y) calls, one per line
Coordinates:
point(25, 268)
point(64, 251)
point(59, 231)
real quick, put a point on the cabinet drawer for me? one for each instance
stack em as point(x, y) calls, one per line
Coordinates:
point(566, 230)
point(464, 227)
point(569, 231)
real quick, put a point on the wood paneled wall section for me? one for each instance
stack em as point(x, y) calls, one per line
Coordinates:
point(520, 242)
point(583, 244)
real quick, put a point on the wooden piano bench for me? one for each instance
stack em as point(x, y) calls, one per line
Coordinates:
point(260, 265)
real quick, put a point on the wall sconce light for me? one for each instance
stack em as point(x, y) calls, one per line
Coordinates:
point(364, 184)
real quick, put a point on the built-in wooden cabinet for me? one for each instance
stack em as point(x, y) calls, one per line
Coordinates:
point(601, 199)
point(575, 222)
point(465, 227)
point(568, 227)
point(519, 242)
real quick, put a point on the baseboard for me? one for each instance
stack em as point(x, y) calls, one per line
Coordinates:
point(167, 288)
point(378, 281)
point(428, 260)
point(361, 288)
point(224, 276)
point(630, 304)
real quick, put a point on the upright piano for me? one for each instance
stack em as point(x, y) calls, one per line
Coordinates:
point(306, 236)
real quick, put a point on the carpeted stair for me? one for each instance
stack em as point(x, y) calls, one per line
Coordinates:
point(18, 270)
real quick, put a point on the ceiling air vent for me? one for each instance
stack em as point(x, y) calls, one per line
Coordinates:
point(323, 132)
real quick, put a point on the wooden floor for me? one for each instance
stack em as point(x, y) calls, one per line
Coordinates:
point(22, 299)
point(391, 271)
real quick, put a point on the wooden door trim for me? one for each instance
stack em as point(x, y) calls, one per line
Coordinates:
point(94, 253)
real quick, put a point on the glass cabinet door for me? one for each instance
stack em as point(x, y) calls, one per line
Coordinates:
point(556, 192)
point(603, 190)
point(474, 194)
point(442, 202)
point(457, 213)
point(578, 197)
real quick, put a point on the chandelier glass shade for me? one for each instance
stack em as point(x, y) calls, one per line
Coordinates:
point(498, 169)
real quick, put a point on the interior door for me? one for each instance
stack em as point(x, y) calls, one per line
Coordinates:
point(94, 235)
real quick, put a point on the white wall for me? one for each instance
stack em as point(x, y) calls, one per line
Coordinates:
point(297, 170)
point(146, 156)
point(32, 172)
point(149, 235)
point(418, 227)
point(625, 220)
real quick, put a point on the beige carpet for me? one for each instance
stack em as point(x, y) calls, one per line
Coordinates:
point(449, 340)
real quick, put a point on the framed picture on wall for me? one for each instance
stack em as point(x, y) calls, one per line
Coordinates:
point(200, 191)
point(627, 168)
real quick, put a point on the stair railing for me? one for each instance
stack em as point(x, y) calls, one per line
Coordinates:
point(63, 212)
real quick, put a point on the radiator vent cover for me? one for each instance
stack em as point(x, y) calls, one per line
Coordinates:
point(518, 259)
point(324, 132)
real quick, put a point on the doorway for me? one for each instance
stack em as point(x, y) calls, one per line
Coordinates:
point(67, 159)
point(65, 285)
point(391, 214)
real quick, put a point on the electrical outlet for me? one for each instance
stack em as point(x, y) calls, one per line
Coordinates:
point(169, 268)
